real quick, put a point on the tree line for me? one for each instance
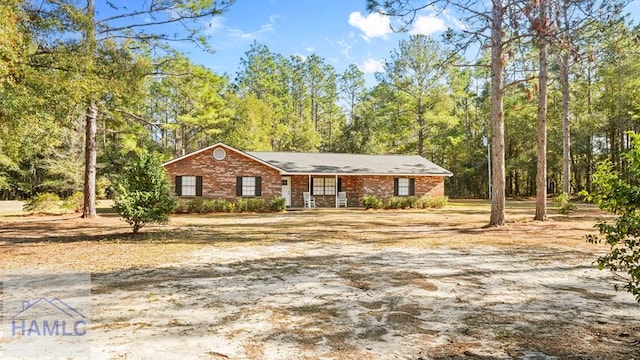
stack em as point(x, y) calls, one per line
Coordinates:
point(73, 84)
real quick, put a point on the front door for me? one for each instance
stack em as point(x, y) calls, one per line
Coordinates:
point(286, 189)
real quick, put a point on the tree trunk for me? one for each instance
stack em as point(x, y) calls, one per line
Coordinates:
point(90, 156)
point(541, 174)
point(497, 117)
point(564, 81)
point(91, 125)
point(566, 135)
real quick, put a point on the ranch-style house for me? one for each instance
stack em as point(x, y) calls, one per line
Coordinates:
point(303, 179)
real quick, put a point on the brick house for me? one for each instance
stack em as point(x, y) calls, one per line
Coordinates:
point(220, 171)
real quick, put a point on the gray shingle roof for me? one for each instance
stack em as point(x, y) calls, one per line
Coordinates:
point(328, 163)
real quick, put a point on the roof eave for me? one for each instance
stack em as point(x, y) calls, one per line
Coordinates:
point(292, 173)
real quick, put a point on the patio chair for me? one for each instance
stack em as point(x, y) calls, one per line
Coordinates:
point(308, 200)
point(342, 199)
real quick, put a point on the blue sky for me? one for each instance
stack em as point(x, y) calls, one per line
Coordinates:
point(340, 31)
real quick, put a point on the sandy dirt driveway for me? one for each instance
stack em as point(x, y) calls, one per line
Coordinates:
point(311, 301)
point(337, 285)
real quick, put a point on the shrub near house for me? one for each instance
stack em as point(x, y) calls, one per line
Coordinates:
point(144, 193)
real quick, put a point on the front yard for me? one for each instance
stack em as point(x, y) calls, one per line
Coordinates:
point(339, 284)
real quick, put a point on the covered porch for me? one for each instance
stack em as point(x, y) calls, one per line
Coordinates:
point(324, 189)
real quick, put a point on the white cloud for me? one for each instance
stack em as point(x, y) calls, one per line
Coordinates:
point(265, 28)
point(453, 21)
point(374, 25)
point(237, 33)
point(371, 66)
point(427, 25)
point(345, 47)
point(310, 49)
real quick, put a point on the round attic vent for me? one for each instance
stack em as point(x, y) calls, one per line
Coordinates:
point(219, 154)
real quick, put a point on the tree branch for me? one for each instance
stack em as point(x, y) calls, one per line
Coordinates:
point(139, 118)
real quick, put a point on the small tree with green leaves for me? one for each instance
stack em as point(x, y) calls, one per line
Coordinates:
point(619, 193)
point(144, 193)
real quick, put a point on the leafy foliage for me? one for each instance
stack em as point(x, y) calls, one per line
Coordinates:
point(435, 202)
point(200, 206)
point(205, 206)
point(565, 206)
point(250, 205)
point(74, 202)
point(46, 203)
point(144, 193)
point(404, 202)
point(277, 203)
point(400, 202)
point(372, 202)
point(619, 193)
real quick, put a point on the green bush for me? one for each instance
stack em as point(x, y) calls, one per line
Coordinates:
point(400, 202)
point(436, 202)
point(144, 193)
point(201, 206)
point(618, 192)
point(181, 206)
point(230, 207)
point(102, 185)
point(45, 203)
point(75, 202)
point(277, 203)
point(371, 202)
point(255, 204)
point(565, 206)
point(241, 205)
point(222, 205)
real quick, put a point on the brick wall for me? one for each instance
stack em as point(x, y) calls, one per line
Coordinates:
point(358, 186)
point(382, 186)
point(219, 176)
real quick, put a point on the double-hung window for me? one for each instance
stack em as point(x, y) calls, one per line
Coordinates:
point(403, 187)
point(188, 185)
point(248, 186)
point(324, 186)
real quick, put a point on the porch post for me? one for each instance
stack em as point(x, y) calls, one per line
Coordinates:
point(309, 186)
point(336, 197)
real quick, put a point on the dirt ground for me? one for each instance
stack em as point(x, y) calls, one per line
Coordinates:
point(347, 284)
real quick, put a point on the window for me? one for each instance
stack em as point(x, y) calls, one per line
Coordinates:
point(403, 187)
point(248, 186)
point(324, 186)
point(219, 154)
point(189, 185)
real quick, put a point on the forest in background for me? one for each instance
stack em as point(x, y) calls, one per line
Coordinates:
point(428, 100)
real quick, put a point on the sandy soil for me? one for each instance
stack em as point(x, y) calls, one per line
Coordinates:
point(340, 285)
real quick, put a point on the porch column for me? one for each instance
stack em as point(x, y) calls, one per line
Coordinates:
point(309, 186)
point(336, 197)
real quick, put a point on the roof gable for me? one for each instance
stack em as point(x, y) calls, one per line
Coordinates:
point(223, 145)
